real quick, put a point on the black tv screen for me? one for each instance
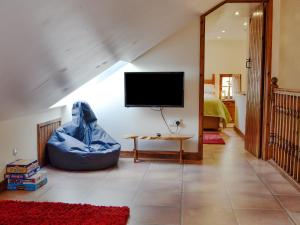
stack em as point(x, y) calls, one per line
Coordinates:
point(154, 89)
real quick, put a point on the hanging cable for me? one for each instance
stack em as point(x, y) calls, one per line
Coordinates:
point(154, 109)
point(165, 121)
point(177, 129)
point(162, 115)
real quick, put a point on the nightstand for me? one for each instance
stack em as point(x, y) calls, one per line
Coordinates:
point(230, 105)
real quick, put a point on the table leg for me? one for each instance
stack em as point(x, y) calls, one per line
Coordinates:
point(181, 152)
point(135, 151)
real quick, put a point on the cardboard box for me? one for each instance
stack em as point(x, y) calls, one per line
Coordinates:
point(36, 178)
point(27, 187)
point(22, 166)
point(20, 175)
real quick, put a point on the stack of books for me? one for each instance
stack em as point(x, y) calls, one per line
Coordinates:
point(25, 175)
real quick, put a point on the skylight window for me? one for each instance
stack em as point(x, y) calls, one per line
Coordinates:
point(89, 86)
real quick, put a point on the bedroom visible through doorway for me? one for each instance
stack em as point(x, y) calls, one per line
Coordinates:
point(227, 66)
point(226, 54)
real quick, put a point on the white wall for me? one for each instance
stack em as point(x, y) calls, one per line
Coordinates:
point(286, 47)
point(229, 57)
point(226, 57)
point(21, 133)
point(240, 112)
point(177, 53)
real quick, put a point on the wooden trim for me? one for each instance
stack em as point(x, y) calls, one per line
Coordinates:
point(212, 81)
point(284, 142)
point(188, 157)
point(239, 132)
point(44, 131)
point(220, 84)
point(270, 152)
point(267, 66)
point(226, 74)
point(58, 120)
point(245, 1)
point(285, 175)
point(230, 1)
point(201, 85)
point(283, 90)
point(267, 100)
point(214, 8)
point(3, 185)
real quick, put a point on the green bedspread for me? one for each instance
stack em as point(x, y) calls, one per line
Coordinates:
point(216, 108)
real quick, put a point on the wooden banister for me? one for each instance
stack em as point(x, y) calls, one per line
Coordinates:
point(274, 82)
point(284, 143)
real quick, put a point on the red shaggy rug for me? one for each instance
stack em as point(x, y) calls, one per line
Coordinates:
point(46, 213)
point(213, 138)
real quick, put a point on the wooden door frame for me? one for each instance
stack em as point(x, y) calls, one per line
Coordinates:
point(267, 72)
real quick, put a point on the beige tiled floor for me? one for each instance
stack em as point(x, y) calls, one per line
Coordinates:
point(230, 187)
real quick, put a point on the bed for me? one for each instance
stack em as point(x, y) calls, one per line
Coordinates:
point(215, 112)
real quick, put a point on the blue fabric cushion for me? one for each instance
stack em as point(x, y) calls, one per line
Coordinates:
point(82, 144)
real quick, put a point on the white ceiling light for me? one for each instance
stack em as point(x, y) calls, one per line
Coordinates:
point(223, 31)
point(237, 13)
point(258, 13)
point(245, 23)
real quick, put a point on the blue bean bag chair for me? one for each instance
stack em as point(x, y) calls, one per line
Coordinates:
point(82, 144)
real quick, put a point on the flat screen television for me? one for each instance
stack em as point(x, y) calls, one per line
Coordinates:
point(154, 89)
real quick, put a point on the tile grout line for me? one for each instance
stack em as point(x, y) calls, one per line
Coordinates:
point(274, 196)
point(266, 185)
point(137, 192)
point(140, 183)
point(227, 194)
point(285, 176)
point(181, 197)
point(180, 206)
point(231, 203)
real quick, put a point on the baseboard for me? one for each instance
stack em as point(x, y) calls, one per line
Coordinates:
point(239, 131)
point(188, 157)
point(3, 185)
point(285, 175)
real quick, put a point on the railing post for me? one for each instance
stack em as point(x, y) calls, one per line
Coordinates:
point(274, 86)
point(284, 142)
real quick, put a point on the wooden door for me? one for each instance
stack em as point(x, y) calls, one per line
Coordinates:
point(253, 135)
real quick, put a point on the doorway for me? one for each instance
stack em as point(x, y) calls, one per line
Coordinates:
point(245, 20)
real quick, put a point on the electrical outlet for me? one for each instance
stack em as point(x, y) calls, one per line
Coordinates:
point(15, 152)
point(177, 123)
point(181, 123)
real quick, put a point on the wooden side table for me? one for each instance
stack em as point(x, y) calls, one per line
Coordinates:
point(230, 105)
point(180, 138)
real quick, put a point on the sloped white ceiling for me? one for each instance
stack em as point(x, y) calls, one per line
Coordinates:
point(48, 48)
point(224, 19)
